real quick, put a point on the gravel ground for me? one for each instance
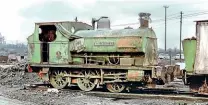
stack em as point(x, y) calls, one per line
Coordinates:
point(77, 98)
point(12, 81)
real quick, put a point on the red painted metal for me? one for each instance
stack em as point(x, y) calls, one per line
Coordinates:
point(29, 69)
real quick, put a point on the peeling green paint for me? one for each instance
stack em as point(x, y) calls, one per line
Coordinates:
point(58, 53)
point(189, 49)
point(34, 51)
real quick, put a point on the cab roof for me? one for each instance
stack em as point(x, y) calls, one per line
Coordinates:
point(52, 23)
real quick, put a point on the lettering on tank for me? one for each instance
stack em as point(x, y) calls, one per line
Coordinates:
point(104, 43)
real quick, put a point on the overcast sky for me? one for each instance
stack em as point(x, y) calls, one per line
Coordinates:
point(18, 16)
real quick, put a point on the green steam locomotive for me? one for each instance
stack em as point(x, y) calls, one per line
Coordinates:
point(72, 53)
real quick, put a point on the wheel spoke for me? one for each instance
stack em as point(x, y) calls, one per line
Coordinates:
point(86, 84)
point(55, 73)
point(57, 79)
point(115, 87)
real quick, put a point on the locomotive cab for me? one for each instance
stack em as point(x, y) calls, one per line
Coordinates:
point(49, 43)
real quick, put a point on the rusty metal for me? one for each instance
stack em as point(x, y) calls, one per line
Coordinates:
point(29, 68)
point(144, 19)
point(129, 43)
point(134, 75)
point(43, 74)
point(197, 83)
point(168, 73)
point(74, 81)
point(58, 55)
point(204, 88)
point(177, 72)
point(192, 38)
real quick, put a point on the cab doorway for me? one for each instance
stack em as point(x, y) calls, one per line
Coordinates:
point(47, 33)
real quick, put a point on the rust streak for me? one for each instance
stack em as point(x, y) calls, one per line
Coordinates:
point(133, 75)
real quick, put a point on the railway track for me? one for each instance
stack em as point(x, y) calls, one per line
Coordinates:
point(151, 96)
point(158, 93)
point(152, 93)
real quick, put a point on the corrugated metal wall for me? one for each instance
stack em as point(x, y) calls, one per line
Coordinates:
point(201, 61)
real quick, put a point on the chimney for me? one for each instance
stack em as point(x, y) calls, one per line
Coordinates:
point(144, 19)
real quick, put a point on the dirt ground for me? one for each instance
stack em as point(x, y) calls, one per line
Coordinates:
point(12, 81)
